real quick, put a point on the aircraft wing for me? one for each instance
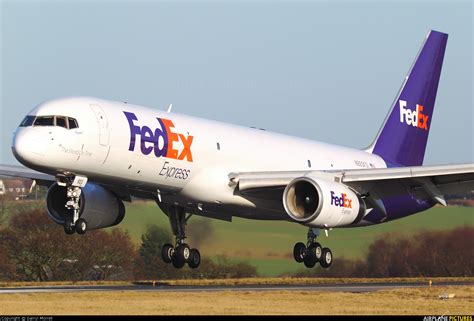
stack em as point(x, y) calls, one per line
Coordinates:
point(46, 180)
point(421, 181)
point(24, 172)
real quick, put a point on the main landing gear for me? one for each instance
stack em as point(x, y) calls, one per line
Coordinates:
point(181, 253)
point(312, 252)
point(73, 194)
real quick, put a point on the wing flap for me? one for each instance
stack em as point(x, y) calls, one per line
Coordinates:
point(410, 172)
point(255, 180)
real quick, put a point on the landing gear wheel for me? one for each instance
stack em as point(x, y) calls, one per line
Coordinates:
point(177, 262)
point(310, 259)
point(81, 226)
point(194, 258)
point(317, 249)
point(181, 256)
point(326, 259)
point(167, 253)
point(68, 227)
point(299, 252)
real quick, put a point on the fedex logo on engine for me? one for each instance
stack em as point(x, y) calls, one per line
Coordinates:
point(414, 118)
point(160, 141)
point(342, 201)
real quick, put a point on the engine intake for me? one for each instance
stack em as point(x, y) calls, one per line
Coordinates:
point(98, 206)
point(317, 202)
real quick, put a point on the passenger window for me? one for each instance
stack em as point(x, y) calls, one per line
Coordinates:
point(44, 121)
point(61, 121)
point(72, 123)
point(28, 121)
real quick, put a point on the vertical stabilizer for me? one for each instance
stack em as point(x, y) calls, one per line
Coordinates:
point(402, 139)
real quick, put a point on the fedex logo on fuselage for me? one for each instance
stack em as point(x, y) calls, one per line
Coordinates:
point(342, 201)
point(160, 140)
point(414, 118)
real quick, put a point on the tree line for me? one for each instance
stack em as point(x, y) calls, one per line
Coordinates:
point(32, 248)
point(426, 254)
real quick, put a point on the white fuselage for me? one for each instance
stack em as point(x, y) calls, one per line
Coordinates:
point(201, 153)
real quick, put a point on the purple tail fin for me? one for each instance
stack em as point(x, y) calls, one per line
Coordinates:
point(402, 139)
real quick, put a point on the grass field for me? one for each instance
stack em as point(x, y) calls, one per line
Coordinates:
point(268, 245)
point(418, 301)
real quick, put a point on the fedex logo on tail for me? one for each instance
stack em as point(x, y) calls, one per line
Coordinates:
point(161, 140)
point(342, 201)
point(414, 118)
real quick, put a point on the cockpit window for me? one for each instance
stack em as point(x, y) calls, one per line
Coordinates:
point(61, 121)
point(72, 123)
point(28, 121)
point(44, 121)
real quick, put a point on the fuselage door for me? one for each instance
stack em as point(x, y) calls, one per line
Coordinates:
point(104, 130)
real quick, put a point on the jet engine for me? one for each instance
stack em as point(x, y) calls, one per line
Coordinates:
point(98, 206)
point(317, 202)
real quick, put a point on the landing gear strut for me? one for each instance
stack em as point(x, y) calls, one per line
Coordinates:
point(312, 252)
point(74, 187)
point(181, 253)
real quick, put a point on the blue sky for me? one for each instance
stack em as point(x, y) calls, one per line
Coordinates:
point(324, 70)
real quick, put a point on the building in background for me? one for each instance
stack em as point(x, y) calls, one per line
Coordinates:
point(17, 188)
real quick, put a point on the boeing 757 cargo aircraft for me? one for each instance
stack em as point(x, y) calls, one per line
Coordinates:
point(94, 154)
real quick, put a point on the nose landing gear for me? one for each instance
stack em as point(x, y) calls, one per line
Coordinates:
point(312, 252)
point(74, 187)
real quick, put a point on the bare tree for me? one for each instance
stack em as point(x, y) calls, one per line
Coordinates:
point(40, 250)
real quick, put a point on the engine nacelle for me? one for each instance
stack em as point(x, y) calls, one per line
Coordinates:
point(98, 206)
point(317, 202)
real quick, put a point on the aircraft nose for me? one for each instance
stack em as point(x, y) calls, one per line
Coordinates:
point(27, 146)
